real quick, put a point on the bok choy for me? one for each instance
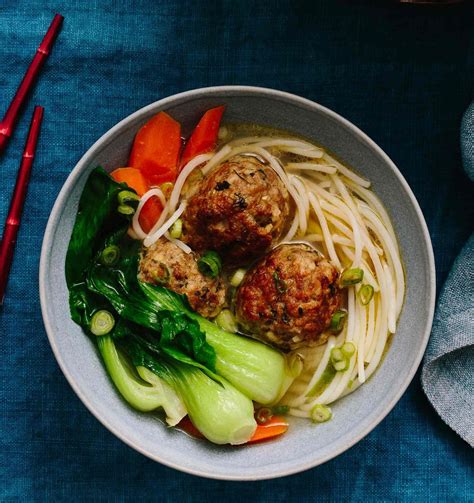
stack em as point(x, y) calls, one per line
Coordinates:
point(158, 352)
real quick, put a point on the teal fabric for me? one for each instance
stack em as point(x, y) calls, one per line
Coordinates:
point(448, 371)
point(404, 74)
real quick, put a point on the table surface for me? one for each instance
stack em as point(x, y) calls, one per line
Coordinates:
point(403, 74)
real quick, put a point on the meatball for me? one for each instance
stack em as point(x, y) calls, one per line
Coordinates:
point(166, 264)
point(288, 297)
point(239, 210)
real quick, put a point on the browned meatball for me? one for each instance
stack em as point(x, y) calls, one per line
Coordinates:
point(239, 210)
point(166, 264)
point(288, 298)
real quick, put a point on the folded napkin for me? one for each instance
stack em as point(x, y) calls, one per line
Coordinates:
point(448, 369)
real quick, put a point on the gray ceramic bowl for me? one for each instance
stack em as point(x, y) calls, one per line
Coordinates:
point(305, 445)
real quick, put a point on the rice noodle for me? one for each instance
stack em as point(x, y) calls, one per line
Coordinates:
point(355, 231)
point(311, 166)
point(292, 230)
point(310, 153)
point(324, 227)
point(136, 217)
point(153, 238)
point(179, 243)
point(180, 181)
point(346, 172)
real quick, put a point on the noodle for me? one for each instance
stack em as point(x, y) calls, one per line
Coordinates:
point(355, 231)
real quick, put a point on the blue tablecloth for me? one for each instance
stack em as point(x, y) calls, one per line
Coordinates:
point(403, 74)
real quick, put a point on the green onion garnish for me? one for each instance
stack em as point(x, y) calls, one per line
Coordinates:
point(341, 365)
point(337, 355)
point(125, 209)
point(210, 264)
point(348, 348)
point(102, 322)
point(110, 255)
point(176, 229)
point(162, 274)
point(366, 293)
point(167, 188)
point(337, 321)
point(263, 415)
point(321, 413)
point(225, 319)
point(351, 277)
point(128, 198)
point(237, 277)
point(127, 202)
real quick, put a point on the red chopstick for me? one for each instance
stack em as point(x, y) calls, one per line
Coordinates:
point(8, 122)
point(12, 224)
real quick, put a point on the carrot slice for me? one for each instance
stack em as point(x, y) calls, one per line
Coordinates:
point(132, 177)
point(204, 137)
point(149, 214)
point(152, 209)
point(274, 427)
point(156, 149)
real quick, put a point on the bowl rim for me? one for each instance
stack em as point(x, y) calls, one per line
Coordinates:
point(244, 91)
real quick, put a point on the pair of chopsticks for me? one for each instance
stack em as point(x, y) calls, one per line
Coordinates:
point(7, 126)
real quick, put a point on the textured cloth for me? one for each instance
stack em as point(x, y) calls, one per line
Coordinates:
point(448, 369)
point(402, 73)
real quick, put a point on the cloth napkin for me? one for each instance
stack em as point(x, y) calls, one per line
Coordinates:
point(448, 370)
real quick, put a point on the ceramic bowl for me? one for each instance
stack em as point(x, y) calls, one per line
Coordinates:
point(305, 445)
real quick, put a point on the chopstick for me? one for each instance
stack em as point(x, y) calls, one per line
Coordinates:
point(12, 224)
point(7, 125)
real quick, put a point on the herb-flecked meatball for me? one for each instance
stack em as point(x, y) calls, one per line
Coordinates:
point(288, 297)
point(167, 265)
point(239, 210)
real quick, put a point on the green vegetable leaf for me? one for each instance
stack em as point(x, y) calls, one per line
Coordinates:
point(96, 217)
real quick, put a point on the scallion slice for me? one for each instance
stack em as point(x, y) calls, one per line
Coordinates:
point(337, 355)
point(128, 198)
point(237, 277)
point(341, 365)
point(351, 277)
point(110, 255)
point(348, 348)
point(161, 275)
point(167, 188)
point(210, 264)
point(102, 322)
point(321, 413)
point(176, 229)
point(125, 209)
point(225, 319)
point(339, 360)
point(366, 293)
point(337, 321)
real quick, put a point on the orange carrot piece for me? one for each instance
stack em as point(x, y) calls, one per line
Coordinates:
point(204, 137)
point(156, 149)
point(132, 177)
point(274, 427)
point(150, 214)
